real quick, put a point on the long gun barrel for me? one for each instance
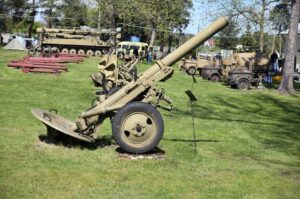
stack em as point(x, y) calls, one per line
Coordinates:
point(137, 125)
point(195, 41)
point(157, 72)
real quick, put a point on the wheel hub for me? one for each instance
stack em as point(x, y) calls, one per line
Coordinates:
point(139, 130)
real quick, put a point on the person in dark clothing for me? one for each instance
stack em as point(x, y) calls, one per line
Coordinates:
point(136, 53)
point(274, 62)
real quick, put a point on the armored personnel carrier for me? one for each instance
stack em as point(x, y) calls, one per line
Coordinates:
point(76, 41)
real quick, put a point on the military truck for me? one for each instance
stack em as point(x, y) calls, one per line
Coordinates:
point(76, 41)
point(242, 78)
point(127, 48)
point(245, 69)
point(205, 68)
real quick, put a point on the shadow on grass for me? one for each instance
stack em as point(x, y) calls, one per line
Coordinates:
point(156, 150)
point(188, 140)
point(71, 142)
point(273, 122)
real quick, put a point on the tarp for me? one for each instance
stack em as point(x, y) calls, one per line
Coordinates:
point(16, 44)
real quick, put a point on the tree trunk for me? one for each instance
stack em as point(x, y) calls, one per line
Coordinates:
point(32, 15)
point(153, 33)
point(261, 26)
point(162, 41)
point(99, 15)
point(170, 39)
point(286, 85)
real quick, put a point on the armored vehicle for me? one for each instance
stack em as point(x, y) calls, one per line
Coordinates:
point(137, 125)
point(76, 41)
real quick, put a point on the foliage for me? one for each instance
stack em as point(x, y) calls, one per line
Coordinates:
point(74, 13)
point(228, 37)
point(50, 11)
point(247, 142)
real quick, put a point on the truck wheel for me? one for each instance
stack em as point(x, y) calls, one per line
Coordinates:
point(243, 84)
point(65, 50)
point(98, 53)
point(90, 52)
point(80, 52)
point(137, 127)
point(72, 51)
point(215, 78)
point(191, 70)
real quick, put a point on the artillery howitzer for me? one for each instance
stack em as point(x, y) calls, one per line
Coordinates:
point(137, 126)
point(113, 74)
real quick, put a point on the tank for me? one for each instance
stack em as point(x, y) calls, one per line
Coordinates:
point(76, 41)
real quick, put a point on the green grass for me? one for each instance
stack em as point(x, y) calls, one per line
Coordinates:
point(248, 142)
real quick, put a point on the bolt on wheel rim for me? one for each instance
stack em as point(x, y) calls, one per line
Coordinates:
point(138, 129)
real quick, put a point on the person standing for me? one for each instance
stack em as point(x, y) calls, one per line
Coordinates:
point(149, 57)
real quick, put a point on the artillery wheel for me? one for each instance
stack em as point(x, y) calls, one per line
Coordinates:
point(72, 51)
point(80, 52)
point(243, 84)
point(138, 127)
point(107, 84)
point(65, 50)
point(90, 52)
point(191, 70)
point(98, 53)
point(215, 78)
point(120, 55)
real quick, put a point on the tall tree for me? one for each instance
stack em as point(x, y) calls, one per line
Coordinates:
point(74, 13)
point(228, 37)
point(254, 12)
point(50, 10)
point(32, 16)
point(286, 85)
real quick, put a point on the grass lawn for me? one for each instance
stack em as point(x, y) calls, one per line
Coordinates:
point(247, 142)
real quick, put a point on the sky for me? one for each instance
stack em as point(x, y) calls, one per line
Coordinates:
point(198, 18)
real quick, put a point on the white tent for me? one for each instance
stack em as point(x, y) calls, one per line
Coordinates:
point(6, 37)
point(16, 44)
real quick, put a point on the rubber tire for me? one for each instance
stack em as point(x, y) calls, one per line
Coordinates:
point(81, 52)
point(191, 71)
point(98, 53)
point(90, 52)
point(65, 50)
point(215, 78)
point(137, 107)
point(73, 51)
point(104, 84)
point(243, 84)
